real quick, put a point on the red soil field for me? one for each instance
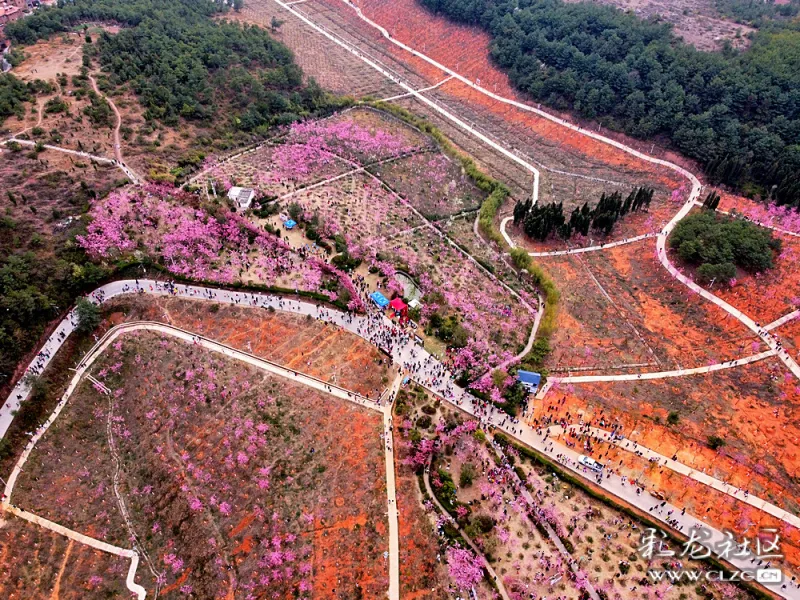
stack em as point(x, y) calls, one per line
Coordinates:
point(309, 346)
point(421, 576)
point(234, 479)
point(620, 307)
point(466, 50)
point(790, 335)
point(749, 407)
point(36, 563)
point(766, 297)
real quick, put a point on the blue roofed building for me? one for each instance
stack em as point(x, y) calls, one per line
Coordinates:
point(529, 380)
point(379, 299)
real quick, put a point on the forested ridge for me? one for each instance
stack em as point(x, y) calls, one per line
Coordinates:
point(737, 113)
point(182, 63)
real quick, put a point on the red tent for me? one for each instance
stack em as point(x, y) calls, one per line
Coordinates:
point(399, 307)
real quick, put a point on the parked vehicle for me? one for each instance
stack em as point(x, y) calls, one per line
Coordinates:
point(590, 463)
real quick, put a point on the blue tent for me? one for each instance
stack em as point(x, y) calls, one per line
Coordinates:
point(379, 299)
point(290, 224)
point(529, 380)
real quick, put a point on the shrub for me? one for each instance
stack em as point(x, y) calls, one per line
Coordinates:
point(717, 273)
point(715, 442)
point(467, 475)
point(673, 417)
point(88, 315)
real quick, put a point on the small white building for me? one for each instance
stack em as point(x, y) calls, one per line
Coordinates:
point(243, 197)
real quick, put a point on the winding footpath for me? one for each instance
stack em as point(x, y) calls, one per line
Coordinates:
point(133, 554)
point(694, 194)
point(422, 367)
point(117, 161)
point(135, 179)
point(406, 354)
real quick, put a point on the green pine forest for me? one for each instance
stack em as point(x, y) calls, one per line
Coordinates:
point(736, 112)
point(183, 63)
point(184, 66)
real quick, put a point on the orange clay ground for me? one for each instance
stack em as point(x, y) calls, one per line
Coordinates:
point(751, 408)
point(620, 307)
point(36, 563)
point(306, 345)
point(232, 473)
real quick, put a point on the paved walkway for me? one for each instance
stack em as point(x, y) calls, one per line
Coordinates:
point(668, 515)
point(391, 492)
point(416, 94)
point(678, 467)
point(419, 91)
point(421, 366)
point(661, 242)
point(188, 337)
point(730, 364)
point(135, 588)
point(782, 321)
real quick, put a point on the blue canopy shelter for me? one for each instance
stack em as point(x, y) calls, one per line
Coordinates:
point(529, 380)
point(290, 223)
point(379, 299)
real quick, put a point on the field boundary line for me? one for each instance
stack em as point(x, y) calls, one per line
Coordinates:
point(682, 469)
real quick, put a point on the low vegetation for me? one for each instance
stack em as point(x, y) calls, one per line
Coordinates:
point(13, 95)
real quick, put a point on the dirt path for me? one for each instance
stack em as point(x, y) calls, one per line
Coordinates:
point(498, 582)
point(57, 586)
point(117, 144)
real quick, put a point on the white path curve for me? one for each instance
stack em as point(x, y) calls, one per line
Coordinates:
point(783, 320)
point(405, 354)
point(418, 95)
point(82, 370)
point(768, 338)
point(391, 492)
point(678, 467)
point(730, 364)
point(134, 587)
